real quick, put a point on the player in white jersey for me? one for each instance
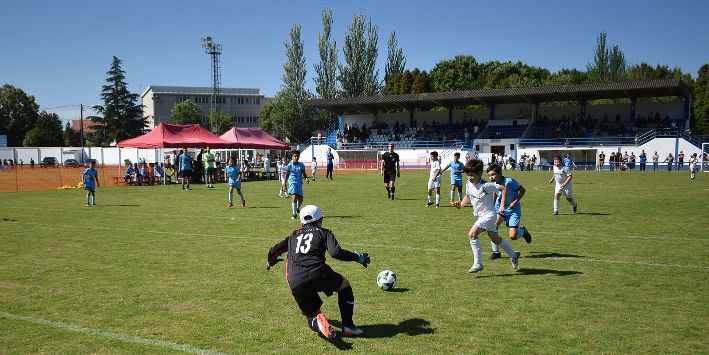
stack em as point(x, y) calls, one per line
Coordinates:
point(481, 194)
point(693, 165)
point(282, 177)
point(434, 180)
point(562, 176)
point(314, 168)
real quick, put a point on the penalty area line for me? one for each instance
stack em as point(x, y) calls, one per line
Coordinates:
point(117, 336)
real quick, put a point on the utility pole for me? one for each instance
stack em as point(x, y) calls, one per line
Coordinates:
point(81, 120)
point(214, 50)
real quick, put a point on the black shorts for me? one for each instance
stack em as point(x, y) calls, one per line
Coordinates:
point(306, 295)
point(210, 171)
point(389, 176)
point(186, 173)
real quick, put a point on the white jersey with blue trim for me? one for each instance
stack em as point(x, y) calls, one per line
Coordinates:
point(482, 197)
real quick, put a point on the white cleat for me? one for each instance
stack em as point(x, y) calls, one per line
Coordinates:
point(476, 268)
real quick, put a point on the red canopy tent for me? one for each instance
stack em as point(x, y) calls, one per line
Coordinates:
point(177, 136)
point(252, 138)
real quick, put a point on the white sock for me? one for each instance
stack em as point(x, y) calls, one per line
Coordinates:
point(295, 207)
point(508, 248)
point(438, 199)
point(231, 197)
point(87, 199)
point(495, 249)
point(93, 199)
point(477, 253)
point(452, 195)
point(556, 205)
point(429, 199)
point(520, 232)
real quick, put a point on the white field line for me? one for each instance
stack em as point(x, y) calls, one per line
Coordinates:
point(398, 247)
point(336, 221)
point(117, 336)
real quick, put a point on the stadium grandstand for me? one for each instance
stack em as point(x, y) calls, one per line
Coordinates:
point(513, 122)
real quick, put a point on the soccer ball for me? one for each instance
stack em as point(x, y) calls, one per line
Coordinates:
point(386, 280)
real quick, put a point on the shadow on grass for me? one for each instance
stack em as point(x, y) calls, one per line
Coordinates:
point(259, 207)
point(342, 216)
point(406, 199)
point(550, 255)
point(9, 220)
point(121, 205)
point(398, 290)
point(528, 271)
point(410, 327)
point(594, 213)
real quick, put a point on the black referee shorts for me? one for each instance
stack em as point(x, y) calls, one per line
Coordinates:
point(389, 176)
point(306, 295)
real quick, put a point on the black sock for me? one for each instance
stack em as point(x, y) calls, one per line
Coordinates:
point(388, 190)
point(393, 189)
point(313, 324)
point(345, 299)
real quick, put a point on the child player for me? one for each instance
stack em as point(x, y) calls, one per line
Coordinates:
point(91, 182)
point(233, 173)
point(562, 176)
point(314, 168)
point(434, 180)
point(307, 274)
point(282, 178)
point(693, 166)
point(295, 173)
point(481, 194)
point(512, 207)
point(456, 176)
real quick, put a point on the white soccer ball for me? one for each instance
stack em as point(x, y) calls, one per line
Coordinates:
point(386, 280)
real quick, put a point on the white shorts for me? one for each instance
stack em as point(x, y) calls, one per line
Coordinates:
point(434, 184)
point(487, 222)
point(566, 191)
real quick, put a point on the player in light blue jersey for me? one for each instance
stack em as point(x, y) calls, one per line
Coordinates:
point(295, 173)
point(91, 183)
point(568, 162)
point(233, 175)
point(512, 208)
point(456, 176)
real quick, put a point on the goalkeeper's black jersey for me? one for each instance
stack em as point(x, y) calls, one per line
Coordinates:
point(306, 254)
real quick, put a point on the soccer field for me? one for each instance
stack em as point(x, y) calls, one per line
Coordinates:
point(157, 269)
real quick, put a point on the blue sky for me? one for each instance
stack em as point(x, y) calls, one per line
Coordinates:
point(59, 51)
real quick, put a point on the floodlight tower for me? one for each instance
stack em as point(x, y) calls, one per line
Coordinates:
point(214, 50)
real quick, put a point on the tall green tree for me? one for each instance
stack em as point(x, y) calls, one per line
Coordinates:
point(617, 66)
point(326, 70)
point(407, 80)
point(396, 61)
point(290, 106)
point(121, 116)
point(71, 137)
point(421, 82)
point(47, 132)
point(459, 73)
point(18, 114)
point(267, 121)
point(599, 69)
point(358, 75)
point(700, 104)
point(186, 112)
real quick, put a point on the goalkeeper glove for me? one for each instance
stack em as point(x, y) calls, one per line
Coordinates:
point(362, 258)
point(269, 263)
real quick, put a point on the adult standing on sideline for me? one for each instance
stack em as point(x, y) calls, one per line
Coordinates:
point(390, 170)
point(601, 161)
point(669, 160)
point(655, 160)
point(643, 160)
point(330, 163)
point(185, 169)
point(209, 168)
point(680, 161)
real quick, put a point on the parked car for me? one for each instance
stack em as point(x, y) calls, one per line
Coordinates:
point(48, 161)
point(71, 162)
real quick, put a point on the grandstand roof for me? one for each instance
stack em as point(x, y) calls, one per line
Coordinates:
point(617, 90)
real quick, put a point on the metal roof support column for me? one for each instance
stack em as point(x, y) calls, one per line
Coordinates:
point(633, 108)
point(492, 113)
point(535, 113)
point(450, 116)
point(687, 110)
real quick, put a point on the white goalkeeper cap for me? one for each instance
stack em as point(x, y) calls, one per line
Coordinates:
point(310, 214)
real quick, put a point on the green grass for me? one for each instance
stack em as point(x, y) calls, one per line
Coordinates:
point(628, 274)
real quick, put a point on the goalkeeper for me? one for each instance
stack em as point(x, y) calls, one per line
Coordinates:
point(307, 274)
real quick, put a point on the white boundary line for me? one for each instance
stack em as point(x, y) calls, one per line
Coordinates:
point(399, 247)
point(117, 336)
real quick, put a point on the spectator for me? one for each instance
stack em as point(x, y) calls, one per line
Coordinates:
point(669, 160)
point(31, 163)
point(643, 160)
point(680, 161)
point(655, 159)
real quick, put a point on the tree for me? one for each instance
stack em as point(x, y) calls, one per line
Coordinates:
point(617, 66)
point(567, 77)
point(266, 120)
point(459, 73)
point(71, 137)
point(186, 112)
point(47, 132)
point(18, 114)
point(290, 106)
point(396, 62)
point(221, 121)
point(700, 104)
point(326, 70)
point(358, 75)
point(421, 82)
point(122, 117)
point(407, 80)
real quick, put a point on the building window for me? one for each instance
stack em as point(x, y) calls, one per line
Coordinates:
point(221, 100)
point(181, 99)
point(201, 99)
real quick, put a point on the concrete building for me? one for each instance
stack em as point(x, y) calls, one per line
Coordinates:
point(243, 105)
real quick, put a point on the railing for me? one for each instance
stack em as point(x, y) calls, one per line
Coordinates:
point(401, 144)
point(577, 142)
point(670, 133)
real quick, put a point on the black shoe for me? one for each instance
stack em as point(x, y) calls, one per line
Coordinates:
point(495, 255)
point(392, 197)
point(527, 237)
point(388, 195)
